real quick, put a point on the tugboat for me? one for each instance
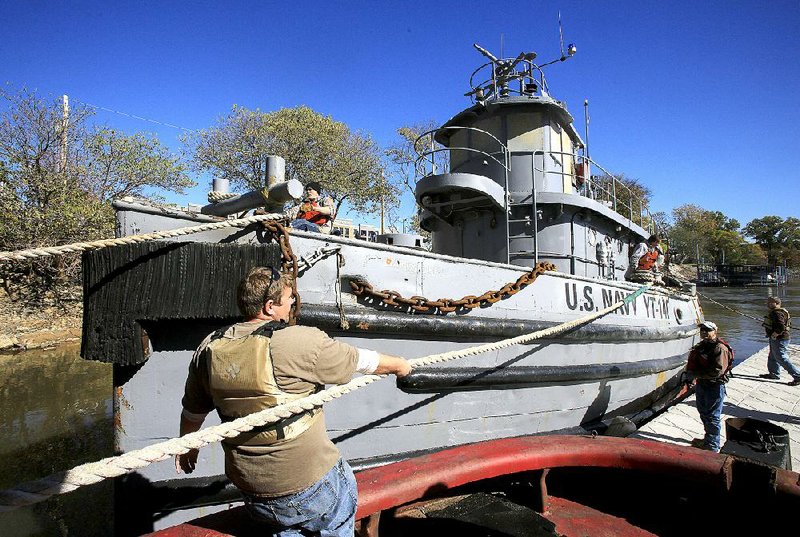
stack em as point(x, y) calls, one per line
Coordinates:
point(523, 237)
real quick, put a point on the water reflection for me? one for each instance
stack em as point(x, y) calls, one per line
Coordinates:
point(55, 413)
point(745, 335)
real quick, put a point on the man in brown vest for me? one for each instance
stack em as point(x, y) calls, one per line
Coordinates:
point(776, 324)
point(291, 475)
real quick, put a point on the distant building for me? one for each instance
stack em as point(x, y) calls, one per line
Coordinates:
point(347, 228)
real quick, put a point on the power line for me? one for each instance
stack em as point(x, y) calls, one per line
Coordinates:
point(134, 116)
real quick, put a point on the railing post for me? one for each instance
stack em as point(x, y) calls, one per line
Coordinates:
point(614, 191)
point(433, 157)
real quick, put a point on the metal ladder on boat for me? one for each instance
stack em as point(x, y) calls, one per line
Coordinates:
point(528, 220)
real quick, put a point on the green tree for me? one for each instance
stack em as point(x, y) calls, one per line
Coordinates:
point(768, 232)
point(790, 233)
point(723, 222)
point(752, 254)
point(632, 197)
point(56, 180)
point(406, 162)
point(662, 223)
point(315, 147)
point(712, 235)
point(694, 231)
point(114, 165)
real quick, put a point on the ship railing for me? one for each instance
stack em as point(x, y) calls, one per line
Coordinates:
point(604, 188)
point(493, 86)
point(428, 149)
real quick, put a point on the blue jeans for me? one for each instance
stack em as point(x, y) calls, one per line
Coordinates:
point(304, 225)
point(709, 397)
point(779, 357)
point(326, 508)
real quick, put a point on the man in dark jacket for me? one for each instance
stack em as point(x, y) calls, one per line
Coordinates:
point(776, 325)
point(709, 363)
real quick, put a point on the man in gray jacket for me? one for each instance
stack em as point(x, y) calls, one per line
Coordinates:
point(709, 364)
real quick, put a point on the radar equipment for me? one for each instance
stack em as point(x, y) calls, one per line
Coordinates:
point(506, 70)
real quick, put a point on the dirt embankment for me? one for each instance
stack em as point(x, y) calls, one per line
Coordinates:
point(684, 272)
point(26, 328)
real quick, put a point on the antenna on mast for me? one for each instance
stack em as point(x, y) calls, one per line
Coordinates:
point(571, 49)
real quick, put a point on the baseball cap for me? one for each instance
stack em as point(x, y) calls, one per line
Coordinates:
point(708, 325)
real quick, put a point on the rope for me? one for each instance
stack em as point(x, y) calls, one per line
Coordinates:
point(87, 474)
point(729, 308)
point(344, 324)
point(22, 255)
point(645, 276)
point(216, 197)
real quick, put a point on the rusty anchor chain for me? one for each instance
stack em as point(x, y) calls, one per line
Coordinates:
point(288, 261)
point(362, 288)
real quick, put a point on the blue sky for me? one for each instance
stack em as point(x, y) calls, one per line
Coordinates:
point(698, 100)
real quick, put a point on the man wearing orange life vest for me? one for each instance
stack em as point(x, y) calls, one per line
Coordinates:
point(646, 256)
point(313, 214)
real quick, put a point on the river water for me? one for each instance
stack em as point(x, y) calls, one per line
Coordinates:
point(55, 413)
point(745, 335)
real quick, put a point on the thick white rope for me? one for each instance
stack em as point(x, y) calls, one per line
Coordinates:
point(21, 255)
point(216, 197)
point(87, 474)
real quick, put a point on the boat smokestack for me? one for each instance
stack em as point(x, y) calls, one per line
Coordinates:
point(223, 186)
point(276, 170)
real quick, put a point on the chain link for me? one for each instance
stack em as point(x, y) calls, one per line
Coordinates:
point(363, 289)
point(288, 262)
point(421, 304)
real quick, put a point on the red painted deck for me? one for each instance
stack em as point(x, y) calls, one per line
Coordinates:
point(434, 475)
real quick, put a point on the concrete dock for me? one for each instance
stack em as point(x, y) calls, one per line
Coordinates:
point(747, 396)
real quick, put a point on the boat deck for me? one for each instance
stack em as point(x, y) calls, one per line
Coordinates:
point(748, 397)
point(402, 485)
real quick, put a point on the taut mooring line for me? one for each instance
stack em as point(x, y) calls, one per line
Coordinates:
point(33, 253)
point(729, 308)
point(94, 472)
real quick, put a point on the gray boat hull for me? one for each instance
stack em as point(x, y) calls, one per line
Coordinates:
point(623, 364)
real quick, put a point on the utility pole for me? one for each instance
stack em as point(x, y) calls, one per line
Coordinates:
point(586, 129)
point(64, 127)
point(383, 182)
